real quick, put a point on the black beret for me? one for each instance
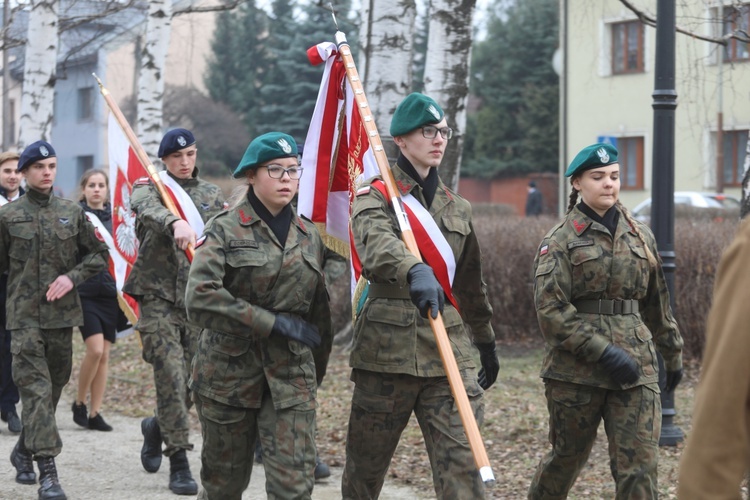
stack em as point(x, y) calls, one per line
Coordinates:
point(39, 150)
point(175, 140)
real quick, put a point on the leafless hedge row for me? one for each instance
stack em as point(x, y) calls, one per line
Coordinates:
point(509, 242)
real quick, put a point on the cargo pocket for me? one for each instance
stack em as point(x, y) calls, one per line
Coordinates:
point(570, 421)
point(301, 366)
point(646, 352)
point(388, 336)
point(648, 429)
point(588, 268)
point(22, 240)
point(227, 356)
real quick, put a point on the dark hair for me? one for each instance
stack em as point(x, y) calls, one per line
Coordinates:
point(85, 179)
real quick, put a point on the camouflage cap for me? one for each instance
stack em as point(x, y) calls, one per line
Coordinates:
point(597, 155)
point(175, 140)
point(264, 148)
point(416, 110)
point(39, 150)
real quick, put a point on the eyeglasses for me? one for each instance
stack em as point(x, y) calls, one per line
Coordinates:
point(277, 172)
point(430, 132)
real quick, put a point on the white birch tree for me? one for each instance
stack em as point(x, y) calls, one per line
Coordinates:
point(151, 76)
point(39, 73)
point(385, 59)
point(446, 74)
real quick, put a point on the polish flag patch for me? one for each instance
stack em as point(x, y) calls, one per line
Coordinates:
point(200, 241)
point(543, 250)
point(363, 190)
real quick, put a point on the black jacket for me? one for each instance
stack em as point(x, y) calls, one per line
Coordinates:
point(102, 284)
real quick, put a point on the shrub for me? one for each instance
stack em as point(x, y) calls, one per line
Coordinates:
point(509, 243)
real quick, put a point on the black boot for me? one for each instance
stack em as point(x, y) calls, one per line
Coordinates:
point(20, 457)
point(151, 451)
point(49, 485)
point(180, 479)
point(321, 469)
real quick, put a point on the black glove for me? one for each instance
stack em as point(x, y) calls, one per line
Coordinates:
point(297, 329)
point(621, 367)
point(673, 378)
point(490, 364)
point(425, 290)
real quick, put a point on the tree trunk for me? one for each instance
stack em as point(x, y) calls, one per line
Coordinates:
point(39, 74)
point(151, 77)
point(745, 208)
point(446, 74)
point(385, 59)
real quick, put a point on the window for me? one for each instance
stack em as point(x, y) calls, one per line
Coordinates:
point(84, 163)
point(736, 19)
point(85, 103)
point(631, 162)
point(735, 144)
point(627, 47)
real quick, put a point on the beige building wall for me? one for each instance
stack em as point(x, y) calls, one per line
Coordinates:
point(602, 104)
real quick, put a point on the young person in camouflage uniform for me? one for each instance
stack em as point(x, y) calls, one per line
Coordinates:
point(603, 308)
point(258, 290)
point(396, 366)
point(48, 246)
point(158, 281)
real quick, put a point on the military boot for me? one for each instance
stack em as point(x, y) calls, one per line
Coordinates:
point(151, 450)
point(49, 485)
point(20, 457)
point(321, 468)
point(180, 479)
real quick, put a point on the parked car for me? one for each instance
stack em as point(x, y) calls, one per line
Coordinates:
point(693, 202)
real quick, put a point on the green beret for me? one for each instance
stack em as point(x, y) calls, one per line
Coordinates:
point(416, 110)
point(265, 148)
point(596, 155)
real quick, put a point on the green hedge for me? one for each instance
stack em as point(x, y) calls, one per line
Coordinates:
point(508, 245)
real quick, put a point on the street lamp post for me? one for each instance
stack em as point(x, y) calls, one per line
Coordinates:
point(662, 189)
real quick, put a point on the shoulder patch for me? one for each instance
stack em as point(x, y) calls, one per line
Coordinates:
point(580, 243)
point(142, 181)
point(200, 241)
point(363, 190)
point(543, 250)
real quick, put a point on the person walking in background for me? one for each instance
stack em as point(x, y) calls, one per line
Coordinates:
point(533, 201)
point(717, 454)
point(10, 190)
point(257, 288)
point(603, 305)
point(158, 281)
point(101, 311)
point(396, 366)
point(48, 247)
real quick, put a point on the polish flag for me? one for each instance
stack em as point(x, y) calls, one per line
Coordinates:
point(124, 170)
point(337, 157)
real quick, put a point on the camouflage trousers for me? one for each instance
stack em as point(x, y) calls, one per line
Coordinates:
point(169, 343)
point(42, 362)
point(382, 405)
point(632, 421)
point(229, 435)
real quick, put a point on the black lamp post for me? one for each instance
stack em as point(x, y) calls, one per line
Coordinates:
point(662, 189)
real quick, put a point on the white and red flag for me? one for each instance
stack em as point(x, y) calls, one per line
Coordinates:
point(124, 170)
point(337, 156)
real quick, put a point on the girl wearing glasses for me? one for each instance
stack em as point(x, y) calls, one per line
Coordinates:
point(256, 287)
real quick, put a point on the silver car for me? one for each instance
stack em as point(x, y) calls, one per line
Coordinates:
point(690, 201)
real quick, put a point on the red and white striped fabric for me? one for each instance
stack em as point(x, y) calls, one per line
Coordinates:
point(337, 156)
point(124, 169)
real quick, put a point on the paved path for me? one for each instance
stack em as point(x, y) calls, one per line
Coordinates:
point(106, 466)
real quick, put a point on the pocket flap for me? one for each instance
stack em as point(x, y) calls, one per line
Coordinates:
point(585, 254)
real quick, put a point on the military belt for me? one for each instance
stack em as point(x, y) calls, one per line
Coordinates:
point(386, 291)
point(605, 306)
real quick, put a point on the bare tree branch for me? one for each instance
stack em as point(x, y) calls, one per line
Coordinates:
point(70, 23)
point(649, 20)
point(227, 5)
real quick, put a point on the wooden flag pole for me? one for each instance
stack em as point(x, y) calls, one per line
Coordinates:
point(142, 156)
point(407, 235)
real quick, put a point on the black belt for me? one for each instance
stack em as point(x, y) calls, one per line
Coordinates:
point(386, 291)
point(606, 306)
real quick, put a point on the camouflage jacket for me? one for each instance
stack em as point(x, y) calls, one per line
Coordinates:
point(42, 237)
point(580, 260)
point(161, 268)
point(241, 278)
point(389, 334)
